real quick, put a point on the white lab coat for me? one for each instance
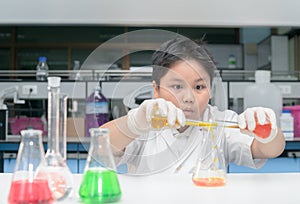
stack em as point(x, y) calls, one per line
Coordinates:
point(168, 151)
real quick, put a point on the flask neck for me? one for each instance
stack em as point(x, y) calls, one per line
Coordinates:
point(99, 146)
point(32, 142)
point(100, 154)
point(53, 119)
point(31, 151)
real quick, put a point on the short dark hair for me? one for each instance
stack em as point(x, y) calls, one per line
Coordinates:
point(180, 49)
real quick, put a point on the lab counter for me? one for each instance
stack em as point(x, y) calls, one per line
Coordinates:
point(176, 188)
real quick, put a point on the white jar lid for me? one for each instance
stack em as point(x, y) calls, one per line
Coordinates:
point(262, 76)
point(54, 81)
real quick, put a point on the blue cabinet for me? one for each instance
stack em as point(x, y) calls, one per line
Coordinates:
point(75, 165)
point(9, 162)
point(276, 165)
point(288, 162)
point(77, 154)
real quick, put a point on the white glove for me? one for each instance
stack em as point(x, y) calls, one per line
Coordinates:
point(139, 119)
point(250, 122)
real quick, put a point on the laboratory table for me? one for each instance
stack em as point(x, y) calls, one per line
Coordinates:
point(274, 188)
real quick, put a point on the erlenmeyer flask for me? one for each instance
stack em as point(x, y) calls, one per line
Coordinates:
point(210, 168)
point(60, 177)
point(100, 183)
point(26, 186)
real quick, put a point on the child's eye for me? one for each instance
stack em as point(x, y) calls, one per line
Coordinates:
point(199, 87)
point(177, 86)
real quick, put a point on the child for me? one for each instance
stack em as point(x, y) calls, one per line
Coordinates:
point(182, 77)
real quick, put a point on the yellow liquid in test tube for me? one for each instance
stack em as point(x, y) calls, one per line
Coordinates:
point(160, 122)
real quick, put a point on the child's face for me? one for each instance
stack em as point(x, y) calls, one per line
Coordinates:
point(187, 85)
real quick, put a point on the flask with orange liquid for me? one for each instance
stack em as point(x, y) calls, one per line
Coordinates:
point(210, 170)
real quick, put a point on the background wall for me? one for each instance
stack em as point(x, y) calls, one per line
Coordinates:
point(155, 12)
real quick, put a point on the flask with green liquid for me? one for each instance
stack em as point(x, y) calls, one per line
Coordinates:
point(100, 182)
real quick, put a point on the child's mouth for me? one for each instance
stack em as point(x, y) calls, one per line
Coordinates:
point(188, 111)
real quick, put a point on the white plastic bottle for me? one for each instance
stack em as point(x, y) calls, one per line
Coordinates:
point(42, 69)
point(263, 94)
point(231, 61)
point(287, 124)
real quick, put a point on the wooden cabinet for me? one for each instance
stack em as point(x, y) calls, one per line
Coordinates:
point(20, 46)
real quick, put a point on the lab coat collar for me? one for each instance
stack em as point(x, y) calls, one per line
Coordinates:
point(186, 133)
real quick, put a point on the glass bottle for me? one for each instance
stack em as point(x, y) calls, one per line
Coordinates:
point(96, 110)
point(28, 186)
point(76, 70)
point(100, 183)
point(42, 69)
point(210, 170)
point(60, 177)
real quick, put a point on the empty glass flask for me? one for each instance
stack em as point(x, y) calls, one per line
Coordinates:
point(100, 182)
point(28, 186)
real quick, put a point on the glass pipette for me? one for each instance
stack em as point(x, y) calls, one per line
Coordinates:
point(210, 124)
point(160, 122)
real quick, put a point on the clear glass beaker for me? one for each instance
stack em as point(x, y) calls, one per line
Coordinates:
point(59, 175)
point(100, 183)
point(27, 185)
point(210, 170)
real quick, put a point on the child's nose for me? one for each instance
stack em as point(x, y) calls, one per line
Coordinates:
point(188, 96)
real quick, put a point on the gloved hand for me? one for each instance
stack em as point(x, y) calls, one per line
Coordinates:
point(139, 119)
point(259, 122)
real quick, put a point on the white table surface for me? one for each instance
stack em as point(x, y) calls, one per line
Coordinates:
point(280, 188)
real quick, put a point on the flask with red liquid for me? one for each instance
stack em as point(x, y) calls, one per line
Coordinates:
point(96, 110)
point(28, 186)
